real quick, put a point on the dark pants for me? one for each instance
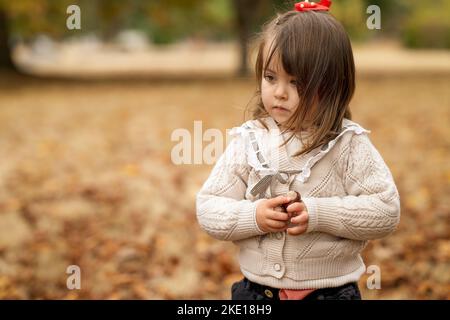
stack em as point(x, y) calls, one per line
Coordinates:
point(248, 290)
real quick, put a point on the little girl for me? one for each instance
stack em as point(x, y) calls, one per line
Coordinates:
point(301, 139)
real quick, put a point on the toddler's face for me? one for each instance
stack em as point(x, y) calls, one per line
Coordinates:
point(279, 91)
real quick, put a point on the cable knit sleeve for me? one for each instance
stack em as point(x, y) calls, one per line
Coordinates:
point(372, 208)
point(222, 210)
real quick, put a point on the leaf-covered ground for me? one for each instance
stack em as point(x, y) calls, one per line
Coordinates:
point(86, 179)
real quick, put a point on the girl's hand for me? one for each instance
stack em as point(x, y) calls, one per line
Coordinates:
point(268, 219)
point(299, 214)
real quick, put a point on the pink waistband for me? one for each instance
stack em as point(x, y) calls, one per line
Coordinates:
point(286, 294)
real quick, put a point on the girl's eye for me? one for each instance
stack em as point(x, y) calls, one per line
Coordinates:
point(294, 82)
point(268, 77)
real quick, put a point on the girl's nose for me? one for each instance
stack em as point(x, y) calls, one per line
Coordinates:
point(280, 92)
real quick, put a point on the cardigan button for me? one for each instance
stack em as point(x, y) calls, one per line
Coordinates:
point(277, 267)
point(279, 235)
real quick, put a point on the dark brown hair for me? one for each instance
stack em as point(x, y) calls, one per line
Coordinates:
point(314, 48)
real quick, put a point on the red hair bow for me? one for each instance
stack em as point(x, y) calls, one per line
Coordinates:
point(323, 5)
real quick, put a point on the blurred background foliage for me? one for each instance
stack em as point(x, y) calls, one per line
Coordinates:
point(415, 23)
point(86, 176)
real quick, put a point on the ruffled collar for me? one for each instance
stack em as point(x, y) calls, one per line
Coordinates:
point(276, 155)
point(305, 162)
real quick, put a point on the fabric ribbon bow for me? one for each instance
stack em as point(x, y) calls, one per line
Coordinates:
point(323, 5)
point(261, 186)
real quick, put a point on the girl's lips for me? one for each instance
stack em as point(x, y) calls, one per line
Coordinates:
point(280, 109)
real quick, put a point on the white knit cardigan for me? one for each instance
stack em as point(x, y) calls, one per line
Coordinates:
point(347, 188)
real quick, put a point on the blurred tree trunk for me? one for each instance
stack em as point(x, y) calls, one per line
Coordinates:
point(246, 12)
point(5, 51)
